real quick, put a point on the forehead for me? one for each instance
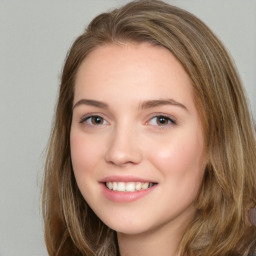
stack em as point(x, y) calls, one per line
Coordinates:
point(131, 64)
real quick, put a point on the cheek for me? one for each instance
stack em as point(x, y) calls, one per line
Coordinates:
point(84, 154)
point(180, 156)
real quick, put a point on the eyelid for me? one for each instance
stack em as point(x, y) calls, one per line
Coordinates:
point(167, 116)
point(85, 117)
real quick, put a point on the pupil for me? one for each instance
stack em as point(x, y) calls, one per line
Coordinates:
point(162, 120)
point(97, 120)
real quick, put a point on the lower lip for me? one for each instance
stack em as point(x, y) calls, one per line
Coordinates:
point(125, 197)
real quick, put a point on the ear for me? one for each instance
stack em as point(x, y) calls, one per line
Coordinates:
point(252, 216)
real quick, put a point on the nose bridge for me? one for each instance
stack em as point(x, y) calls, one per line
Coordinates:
point(123, 145)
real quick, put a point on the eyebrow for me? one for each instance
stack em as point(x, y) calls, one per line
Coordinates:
point(88, 102)
point(144, 105)
point(161, 102)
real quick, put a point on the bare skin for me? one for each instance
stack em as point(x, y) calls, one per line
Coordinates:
point(135, 123)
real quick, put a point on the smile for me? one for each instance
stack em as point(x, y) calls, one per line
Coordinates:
point(124, 189)
point(128, 186)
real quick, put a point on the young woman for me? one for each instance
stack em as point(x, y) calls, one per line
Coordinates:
point(153, 148)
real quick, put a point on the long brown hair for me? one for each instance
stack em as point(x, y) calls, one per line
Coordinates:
point(221, 225)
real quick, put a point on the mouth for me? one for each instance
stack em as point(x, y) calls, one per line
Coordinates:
point(125, 189)
point(128, 186)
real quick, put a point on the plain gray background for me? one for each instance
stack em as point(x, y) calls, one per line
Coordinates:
point(34, 39)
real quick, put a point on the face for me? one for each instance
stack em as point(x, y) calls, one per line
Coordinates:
point(136, 138)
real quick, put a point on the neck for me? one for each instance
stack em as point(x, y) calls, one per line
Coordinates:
point(151, 243)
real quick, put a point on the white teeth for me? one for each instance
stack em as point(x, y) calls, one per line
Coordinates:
point(110, 185)
point(128, 186)
point(121, 186)
point(138, 186)
point(145, 185)
point(114, 186)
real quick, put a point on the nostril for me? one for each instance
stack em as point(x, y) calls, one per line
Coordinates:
point(123, 148)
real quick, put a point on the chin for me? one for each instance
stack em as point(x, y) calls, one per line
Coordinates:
point(128, 230)
point(128, 227)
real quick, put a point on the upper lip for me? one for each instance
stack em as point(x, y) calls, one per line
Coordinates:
point(119, 178)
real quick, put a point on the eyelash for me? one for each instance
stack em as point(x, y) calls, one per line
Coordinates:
point(90, 117)
point(170, 121)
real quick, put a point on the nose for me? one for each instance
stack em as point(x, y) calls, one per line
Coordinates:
point(123, 147)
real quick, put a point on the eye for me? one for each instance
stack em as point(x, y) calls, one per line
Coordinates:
point(161, 121)
point(94, 120)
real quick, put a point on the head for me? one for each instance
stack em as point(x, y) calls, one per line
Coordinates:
point(228, 185)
